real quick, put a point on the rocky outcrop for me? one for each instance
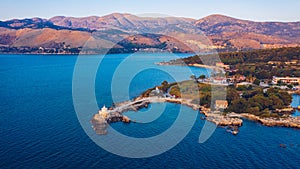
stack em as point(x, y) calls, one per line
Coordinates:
point(222, 120)
point(290, 121)
point(100, 124)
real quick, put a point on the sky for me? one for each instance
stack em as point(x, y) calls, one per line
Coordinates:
point(256, 10)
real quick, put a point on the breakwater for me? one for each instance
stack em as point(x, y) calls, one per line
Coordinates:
point(104, 117)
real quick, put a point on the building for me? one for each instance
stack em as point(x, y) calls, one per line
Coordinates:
point(156, 93)
point(244, 84)
point(221, 104)
point(219, 80)
point(262, 84)
point(274, 62)
point(293, 62)
point(237, 78)
point(286, 80)
point(103, 112)
point(222, 65)
point(296, 87)
point(240, 78)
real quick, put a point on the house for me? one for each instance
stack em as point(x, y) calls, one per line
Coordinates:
point(237, 78)
point(156, 93)
point(243, 84)
point(293, 62)
point(296, 87)
point(262, 84)
point(274, 62)
point(222, 65)
point(286, 80)
point(221, 104)
point(240, 78)
point(219, 80)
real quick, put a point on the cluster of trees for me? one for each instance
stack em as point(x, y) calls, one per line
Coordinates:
point(262, 55)
point(265, 71)
point(254, 62)
point(257, 102)
point(199, 93)
point(163, 87)
point(251, 56)
point(201, 77)
point(242, 99)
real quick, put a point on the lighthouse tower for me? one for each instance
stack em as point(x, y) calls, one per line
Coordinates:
point(103, 112)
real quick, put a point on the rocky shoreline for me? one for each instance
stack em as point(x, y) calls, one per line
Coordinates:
point(231, 121)
point(183, 64)
point(293, 122)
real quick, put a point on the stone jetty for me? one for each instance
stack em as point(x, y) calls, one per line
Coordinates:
point(104, 117)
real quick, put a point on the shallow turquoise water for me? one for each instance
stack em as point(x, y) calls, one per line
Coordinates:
point(40, 129)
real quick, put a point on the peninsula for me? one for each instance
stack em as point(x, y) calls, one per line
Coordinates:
point(251, 97)
point(221, 112)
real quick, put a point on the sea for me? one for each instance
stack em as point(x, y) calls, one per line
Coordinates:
point(41, 127)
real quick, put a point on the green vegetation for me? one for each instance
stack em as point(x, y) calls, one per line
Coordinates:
point(263, 55)
point(242, 99)
point(256, 82)
point(261, 64)
point(255, 101)
point(198, 92)
point(164, 87)
point(256, 65)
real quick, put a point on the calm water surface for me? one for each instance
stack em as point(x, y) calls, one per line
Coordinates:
point(39, 127)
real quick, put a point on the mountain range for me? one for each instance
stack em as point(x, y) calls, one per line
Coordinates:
point(119, 33)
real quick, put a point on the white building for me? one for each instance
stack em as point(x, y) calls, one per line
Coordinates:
point(287, 80)
point(222, 65)
point(244, 84)
point(219, 80)
point(156, 93)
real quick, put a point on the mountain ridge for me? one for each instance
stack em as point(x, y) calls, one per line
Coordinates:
point(147, 16)
point(226, 33)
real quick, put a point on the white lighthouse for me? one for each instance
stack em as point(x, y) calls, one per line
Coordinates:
point(103, 112)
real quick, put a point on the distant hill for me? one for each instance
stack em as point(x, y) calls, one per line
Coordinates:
point(128, 33)
point(225, 30)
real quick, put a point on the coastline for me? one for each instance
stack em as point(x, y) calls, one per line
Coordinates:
point(230, 120)
point(205, 66)
point(193, 65)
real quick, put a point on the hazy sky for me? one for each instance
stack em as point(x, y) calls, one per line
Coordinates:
point(258, 10)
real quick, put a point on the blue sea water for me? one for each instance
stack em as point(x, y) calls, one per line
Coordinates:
point(39, 127)
point(295, 103)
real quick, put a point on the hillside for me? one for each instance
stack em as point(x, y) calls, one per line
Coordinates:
point(128, 33)
point(226, 31)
